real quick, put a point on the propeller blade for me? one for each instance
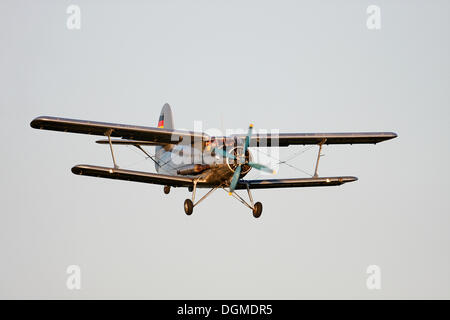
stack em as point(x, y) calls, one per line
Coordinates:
point(234, 181)
point(247, 138)
point(261, 167)
point(224, 153)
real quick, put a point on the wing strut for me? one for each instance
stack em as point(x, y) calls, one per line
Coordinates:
point(108, 133)
point(318, 157)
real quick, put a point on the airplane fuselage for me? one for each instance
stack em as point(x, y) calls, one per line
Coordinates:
point(197, 163)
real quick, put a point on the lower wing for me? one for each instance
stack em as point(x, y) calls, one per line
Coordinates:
point(177, 181)
point(130, 175)
point(294, 183)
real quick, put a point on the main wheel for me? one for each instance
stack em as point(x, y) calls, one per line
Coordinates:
point(166, 189)
point(188, 207)
point(257, 210)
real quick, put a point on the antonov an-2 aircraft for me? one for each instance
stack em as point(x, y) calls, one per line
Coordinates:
point(196, 160)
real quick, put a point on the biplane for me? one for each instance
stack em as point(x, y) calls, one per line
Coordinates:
point(192, 160)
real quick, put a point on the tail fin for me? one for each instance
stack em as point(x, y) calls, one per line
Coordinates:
point(165, 118)
point(165, 121)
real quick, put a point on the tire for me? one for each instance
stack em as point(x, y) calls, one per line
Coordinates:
point(166, 189)
point(257, 210)
point(188, 207)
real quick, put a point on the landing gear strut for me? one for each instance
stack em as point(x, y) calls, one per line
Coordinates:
point(190, 204)
point(255, 207)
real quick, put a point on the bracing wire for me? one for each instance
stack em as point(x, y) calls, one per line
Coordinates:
point(289, 159)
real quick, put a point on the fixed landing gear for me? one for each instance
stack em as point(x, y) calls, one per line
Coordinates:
point(190, 204)
point(166, 189)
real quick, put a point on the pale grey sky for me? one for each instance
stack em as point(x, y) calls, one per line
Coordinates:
point(302, 66)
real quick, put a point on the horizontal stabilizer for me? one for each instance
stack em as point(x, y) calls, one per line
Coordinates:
point(131, 142)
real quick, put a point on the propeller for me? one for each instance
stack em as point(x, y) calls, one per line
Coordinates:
point(237, 171)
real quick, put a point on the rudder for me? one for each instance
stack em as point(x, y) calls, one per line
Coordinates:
point(165, 118)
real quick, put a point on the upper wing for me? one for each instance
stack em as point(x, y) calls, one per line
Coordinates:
point(155, 135)
point(286, 139)
point(294, 183)
point(169, 136)
point(129, 175)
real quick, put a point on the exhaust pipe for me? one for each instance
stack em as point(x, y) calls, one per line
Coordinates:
point(193, 169)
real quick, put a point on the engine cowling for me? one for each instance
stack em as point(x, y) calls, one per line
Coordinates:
point(237, 152)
